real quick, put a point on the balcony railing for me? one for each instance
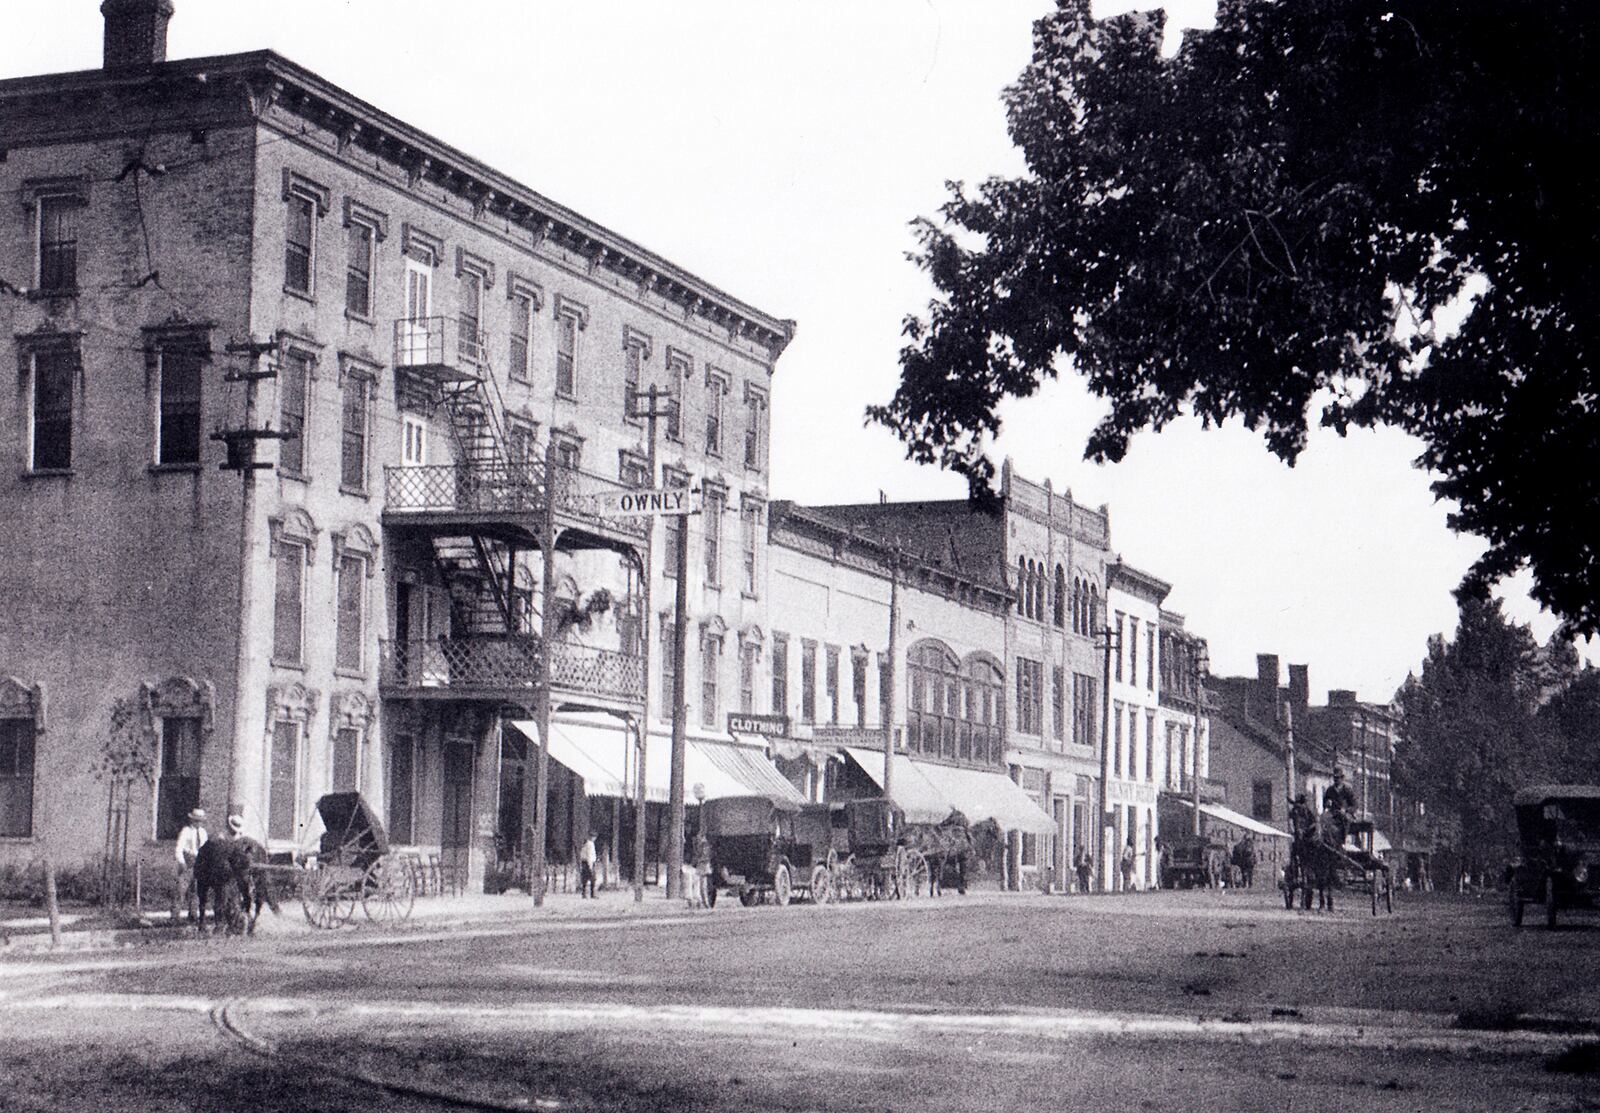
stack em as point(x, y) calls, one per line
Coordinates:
point(502, 663)
point(437, 342)
point(505, 488)
point(465, 488)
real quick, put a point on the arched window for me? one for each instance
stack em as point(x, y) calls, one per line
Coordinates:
point(932, 711)
point(984, 682)
point(1059, 601)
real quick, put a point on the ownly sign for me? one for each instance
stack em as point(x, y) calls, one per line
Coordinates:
point(648, 502)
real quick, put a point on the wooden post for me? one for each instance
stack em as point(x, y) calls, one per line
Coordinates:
point(547, 635)
point(50, 903)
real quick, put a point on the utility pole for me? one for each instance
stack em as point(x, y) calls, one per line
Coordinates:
point(1109, 639)
point(653, 397)
point(547, 640)
point(680, 742)
point(1198, 665)
point(887, 699)
point(1362, 713)
point(241, 457)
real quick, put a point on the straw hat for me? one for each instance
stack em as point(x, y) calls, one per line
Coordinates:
point(198, 815)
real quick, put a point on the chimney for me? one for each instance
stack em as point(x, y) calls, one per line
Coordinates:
point(1300, 690)
point(1267, 687)
point(136, 32)
point(1341, 697)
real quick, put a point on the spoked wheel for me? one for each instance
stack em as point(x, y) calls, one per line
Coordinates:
point(821, 885)
point(782, 885)
point(388, 890)
point(328, 902)
point(911, 873)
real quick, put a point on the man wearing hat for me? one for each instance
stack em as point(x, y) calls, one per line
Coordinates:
point(190, 840)
point(1341, 801)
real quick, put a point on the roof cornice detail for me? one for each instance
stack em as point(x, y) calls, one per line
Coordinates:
point(272, 82)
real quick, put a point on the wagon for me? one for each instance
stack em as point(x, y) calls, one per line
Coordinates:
point(1192, 863)
point(870, 854)
point(1558, 864)
point(760, 846)
point(1319, 867)
point(352, 865)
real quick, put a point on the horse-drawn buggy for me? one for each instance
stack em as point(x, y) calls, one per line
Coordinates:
point(1193, 863)
point(1558, 865)
point(873, 853)
point(1321, 861)
point(352, 864)
point(760, 846)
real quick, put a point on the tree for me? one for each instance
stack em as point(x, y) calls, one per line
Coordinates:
point(1270, 224)
point(1474, 731)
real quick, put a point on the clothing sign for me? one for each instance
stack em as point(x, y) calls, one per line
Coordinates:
point(771, 726)
point(648, 502)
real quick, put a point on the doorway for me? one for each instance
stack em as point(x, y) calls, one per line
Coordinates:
point(455, 833)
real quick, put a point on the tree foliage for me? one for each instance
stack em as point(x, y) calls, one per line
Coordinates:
point(1494, 711)
point(1266, 226)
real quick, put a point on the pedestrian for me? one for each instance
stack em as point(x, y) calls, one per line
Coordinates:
point(1085, 866)
point(1244, 859)
point(1163, 865)
point(702, 868)
point(190, 839)
point(586, 860)
point(1128, 855)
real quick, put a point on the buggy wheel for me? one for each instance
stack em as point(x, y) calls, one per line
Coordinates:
point(1550, 902)
point(821, 885)
point(910, 874)
point(328, 903)
point(782, 886)
point(749, 897)
point(387, 892)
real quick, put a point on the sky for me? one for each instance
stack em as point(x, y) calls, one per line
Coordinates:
point(779, 150)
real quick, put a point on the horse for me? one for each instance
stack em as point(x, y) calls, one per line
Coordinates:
point(223, 873)
point(945, 846)
point(1314, 860)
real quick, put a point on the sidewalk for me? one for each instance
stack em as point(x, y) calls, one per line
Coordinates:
point(93, 929)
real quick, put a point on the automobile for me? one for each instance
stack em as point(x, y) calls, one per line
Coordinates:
point(1558, 827)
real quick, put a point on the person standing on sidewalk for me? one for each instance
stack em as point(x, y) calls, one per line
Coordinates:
point(190, 840)
point(586, 860)
point(1128, 855)
point(1085, 869)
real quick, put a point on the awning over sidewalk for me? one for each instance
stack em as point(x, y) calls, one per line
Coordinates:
point(979, 796)
point(1238, 819)
point(597, 749)
point(915, 794)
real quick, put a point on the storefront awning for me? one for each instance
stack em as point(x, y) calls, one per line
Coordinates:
point(921, 802)
point(979, 796)
point(1237, 819)
point(597, 749)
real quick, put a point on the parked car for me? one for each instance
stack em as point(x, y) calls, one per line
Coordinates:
point(1559, 860)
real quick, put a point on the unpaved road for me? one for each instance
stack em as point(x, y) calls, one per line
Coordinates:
point(1178, 1001)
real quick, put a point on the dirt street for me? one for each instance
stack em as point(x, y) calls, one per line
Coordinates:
point(1174, 1001)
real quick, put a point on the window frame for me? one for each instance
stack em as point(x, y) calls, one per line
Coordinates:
point(168, 817)
point(292, 534)
point(66, 200)
point(359, 381)
point(572, 319)
point(316, 198)
point(710, 656)
point(52, 348)
point(12, 778)
point(351, 562)
point(301, 363)
point(636, 351)
point(780, 674)
point(680, 369)
point(750, 547)
point(161, 408)
point(714, 502)
point(755, 441)
point(716, 418)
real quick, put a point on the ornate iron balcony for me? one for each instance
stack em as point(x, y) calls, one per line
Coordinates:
point(492, 665)
point(506, 489)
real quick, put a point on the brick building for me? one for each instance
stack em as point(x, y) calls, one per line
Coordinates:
point(452, 356)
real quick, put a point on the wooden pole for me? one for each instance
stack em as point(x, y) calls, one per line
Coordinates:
point(887, 699)
point(1110, 639)
point(680, 742)
point(547, 635)
point(52, 907)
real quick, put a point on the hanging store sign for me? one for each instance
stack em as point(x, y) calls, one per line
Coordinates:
point(648, 503)
point(768, 726)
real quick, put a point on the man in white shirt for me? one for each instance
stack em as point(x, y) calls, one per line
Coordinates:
point(190, 840)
